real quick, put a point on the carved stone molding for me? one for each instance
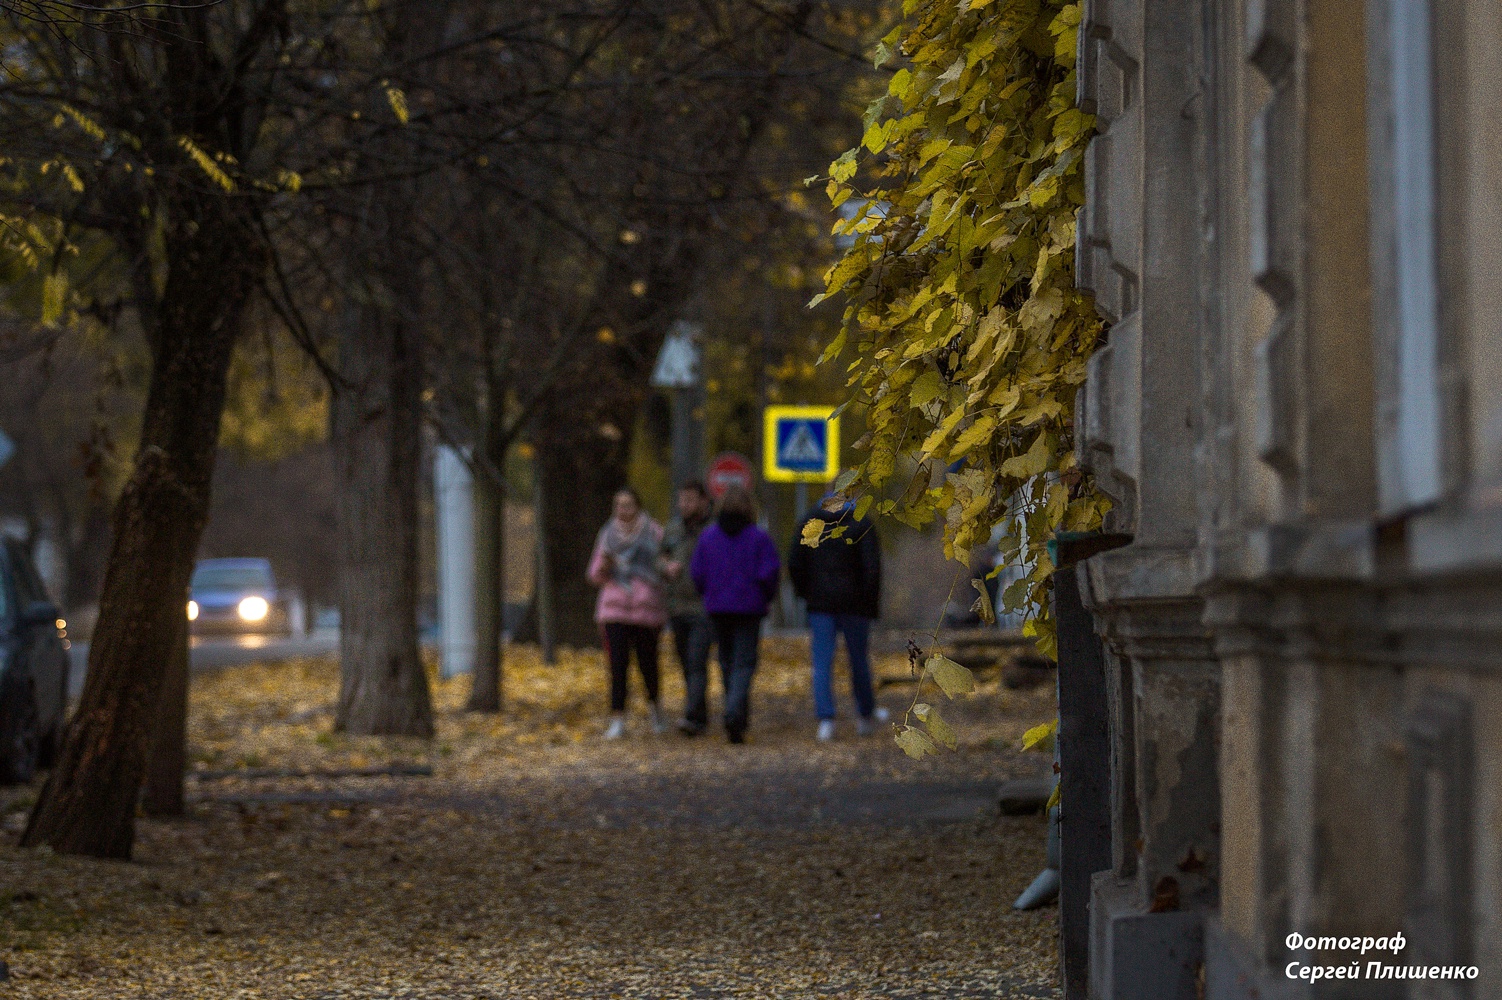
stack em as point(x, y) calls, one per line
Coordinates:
point(1275, 204)
point(1109, 221)
point(1441, 819)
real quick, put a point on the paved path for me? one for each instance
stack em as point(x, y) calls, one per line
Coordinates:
point(538, 860)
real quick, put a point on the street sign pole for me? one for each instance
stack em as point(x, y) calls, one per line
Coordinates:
point(677, 370)
point(801, 445)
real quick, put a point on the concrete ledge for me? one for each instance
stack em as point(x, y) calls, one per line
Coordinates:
point(1141, 956)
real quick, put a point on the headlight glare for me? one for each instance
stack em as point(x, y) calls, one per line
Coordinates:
point(254, 609)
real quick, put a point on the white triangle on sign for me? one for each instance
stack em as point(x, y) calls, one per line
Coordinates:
point(801, 448)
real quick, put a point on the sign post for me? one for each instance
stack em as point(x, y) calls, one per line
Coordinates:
point(801, 445)
point(677, 371)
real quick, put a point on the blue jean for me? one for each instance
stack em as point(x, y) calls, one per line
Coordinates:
point(824, 630)
point(738, 638)
point(693, 635)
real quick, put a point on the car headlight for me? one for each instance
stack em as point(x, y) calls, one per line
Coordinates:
point(254, 609)
point(192, 611)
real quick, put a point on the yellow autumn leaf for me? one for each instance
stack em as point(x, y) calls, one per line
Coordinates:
point(1031, 463)
point(915, 742)
point(940, 731)
point(398, 102)
point(813, 531)
point(951, 677)
point(1040, 736)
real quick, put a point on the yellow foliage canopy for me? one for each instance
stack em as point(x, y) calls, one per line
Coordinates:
point(959, 285)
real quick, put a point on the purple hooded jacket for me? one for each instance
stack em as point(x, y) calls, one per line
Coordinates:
point(737, 573)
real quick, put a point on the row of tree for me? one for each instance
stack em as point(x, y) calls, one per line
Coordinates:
point(480, 217)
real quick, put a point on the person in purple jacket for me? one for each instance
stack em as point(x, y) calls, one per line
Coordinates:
point(736, 567)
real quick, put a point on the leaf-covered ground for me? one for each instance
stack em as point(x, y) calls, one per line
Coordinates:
point(539, 861)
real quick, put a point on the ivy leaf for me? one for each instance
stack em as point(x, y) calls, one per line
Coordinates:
point(951, 677)
point(813, 532)
point(941, 732)
point(398, 102)
point(1040, 736)
point(982, 605)
point(915, 742)
point(1033, 463)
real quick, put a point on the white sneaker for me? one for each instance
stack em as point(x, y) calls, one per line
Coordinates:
point(826, 730)
point(864, 726)
point(659, 721)
point(617, 727)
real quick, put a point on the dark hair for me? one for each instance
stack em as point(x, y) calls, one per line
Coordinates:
point(697, 485)
point(737, 500)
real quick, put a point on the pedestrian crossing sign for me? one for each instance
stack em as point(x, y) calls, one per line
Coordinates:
point(801, 444)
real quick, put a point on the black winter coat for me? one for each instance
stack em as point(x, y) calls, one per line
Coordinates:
point(843, 575)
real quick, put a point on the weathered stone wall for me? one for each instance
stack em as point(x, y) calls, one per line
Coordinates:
point(1294, 227)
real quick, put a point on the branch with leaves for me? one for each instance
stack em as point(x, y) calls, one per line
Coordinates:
point(971, 339)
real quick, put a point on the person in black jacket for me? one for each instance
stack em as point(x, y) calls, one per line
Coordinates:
point(841, 582)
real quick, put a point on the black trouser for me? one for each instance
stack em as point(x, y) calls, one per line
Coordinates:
point(738, 637)
point(620, 639)
point(693, 635)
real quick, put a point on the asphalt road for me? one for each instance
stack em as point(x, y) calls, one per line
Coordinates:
point(230, 651)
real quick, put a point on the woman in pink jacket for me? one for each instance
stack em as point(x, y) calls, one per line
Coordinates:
point(631, 610)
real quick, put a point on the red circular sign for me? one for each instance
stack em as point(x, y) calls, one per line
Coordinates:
point(728, 469)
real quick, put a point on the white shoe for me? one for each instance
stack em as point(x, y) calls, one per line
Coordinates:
point(617, 727)
point(659, 721)
point(826, 730)
point(864, 726)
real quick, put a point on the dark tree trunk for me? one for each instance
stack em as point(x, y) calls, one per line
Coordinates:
point(594, 467)
point(490, 586)
point(383, 689)
point(163, 794)
point(88, 805)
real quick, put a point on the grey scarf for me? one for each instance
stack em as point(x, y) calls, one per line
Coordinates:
point(636, 555)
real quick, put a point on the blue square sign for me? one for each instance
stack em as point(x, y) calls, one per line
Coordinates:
point(801, 443)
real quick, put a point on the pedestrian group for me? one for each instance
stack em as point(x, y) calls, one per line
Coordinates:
point(712, 575)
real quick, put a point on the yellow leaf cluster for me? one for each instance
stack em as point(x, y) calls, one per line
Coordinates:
point(959, 286)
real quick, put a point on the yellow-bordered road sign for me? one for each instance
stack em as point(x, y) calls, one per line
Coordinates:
point(801, 444)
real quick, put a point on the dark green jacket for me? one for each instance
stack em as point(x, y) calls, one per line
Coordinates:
point(678, 545)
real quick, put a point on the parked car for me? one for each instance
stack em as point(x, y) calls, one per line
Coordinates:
point(33, 669)
point(236, 596)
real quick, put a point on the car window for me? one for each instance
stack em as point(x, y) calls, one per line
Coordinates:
point(211, 577)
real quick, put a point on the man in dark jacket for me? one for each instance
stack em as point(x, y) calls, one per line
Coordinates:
point(692, 632)
point(840, 581)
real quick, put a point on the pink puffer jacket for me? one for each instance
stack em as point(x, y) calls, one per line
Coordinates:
point(635, 603)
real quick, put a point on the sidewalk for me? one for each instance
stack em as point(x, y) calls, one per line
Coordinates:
point(538, 861)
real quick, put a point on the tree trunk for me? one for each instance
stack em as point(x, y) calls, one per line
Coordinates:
point(163, 794)
point(490, 591)
point(594, 467)
point(542, 597)
point(88, 805)
point(383, 689)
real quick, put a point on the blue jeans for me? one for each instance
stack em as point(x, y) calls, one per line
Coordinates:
point(693, 635)
point(737, 637)
point(823, 630)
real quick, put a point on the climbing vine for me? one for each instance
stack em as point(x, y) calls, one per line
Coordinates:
point(970, 337)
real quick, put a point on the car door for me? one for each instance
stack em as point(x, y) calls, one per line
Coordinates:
point(40, 642)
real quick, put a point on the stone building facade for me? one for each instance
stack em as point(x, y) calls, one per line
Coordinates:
point(1294, 228)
